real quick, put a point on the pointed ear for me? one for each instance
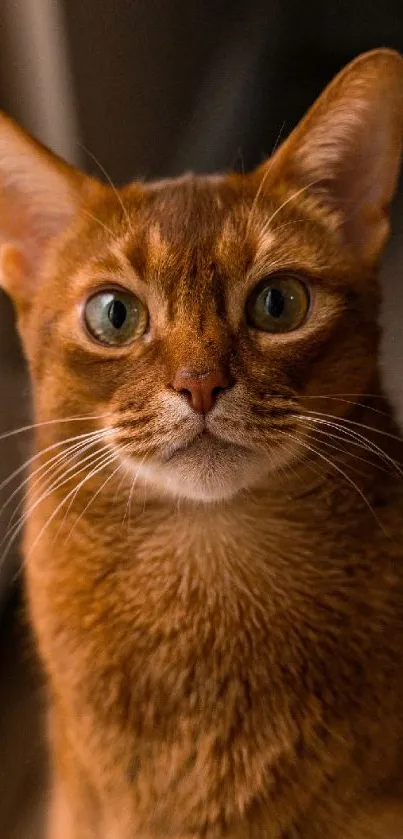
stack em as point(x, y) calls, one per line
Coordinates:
point(347, 149)
point(39, 195)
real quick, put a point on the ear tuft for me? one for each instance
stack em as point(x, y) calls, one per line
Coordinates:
point(347, 148)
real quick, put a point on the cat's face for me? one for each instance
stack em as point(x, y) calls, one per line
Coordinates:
point(198, 325)
point(203, 318)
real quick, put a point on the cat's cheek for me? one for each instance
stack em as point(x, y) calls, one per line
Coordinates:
point(106, 373)
point(281, 364)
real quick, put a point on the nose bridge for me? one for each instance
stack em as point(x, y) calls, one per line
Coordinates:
point(200, 345)
point(198, 356)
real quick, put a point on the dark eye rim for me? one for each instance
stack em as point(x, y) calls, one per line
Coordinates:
point(105, 289)
point(269, 279)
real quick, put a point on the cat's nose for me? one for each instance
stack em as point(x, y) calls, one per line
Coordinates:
point(201, 389)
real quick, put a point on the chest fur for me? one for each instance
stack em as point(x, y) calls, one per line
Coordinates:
point(215, 673)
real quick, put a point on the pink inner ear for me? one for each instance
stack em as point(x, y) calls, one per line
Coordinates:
point(351, 152)
point(26, 225)
point(36, 204)
point(39, 194)
point(24, 235)
point(348, 149)
point(14, 267)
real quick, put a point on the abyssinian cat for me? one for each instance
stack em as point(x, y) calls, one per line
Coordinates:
point(214, 518)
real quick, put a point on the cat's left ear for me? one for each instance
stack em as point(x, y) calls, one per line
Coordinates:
point(39, 195)
point(347, 149)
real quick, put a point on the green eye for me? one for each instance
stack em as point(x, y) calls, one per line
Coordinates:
point(278, 304)
point(115, 317)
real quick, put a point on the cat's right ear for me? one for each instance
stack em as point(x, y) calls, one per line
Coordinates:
point(39, 195)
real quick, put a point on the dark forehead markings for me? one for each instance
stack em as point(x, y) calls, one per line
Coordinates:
point(184, 215)
point(218, 290)
point(189, 212)
point(137, 253)
point(188, 215)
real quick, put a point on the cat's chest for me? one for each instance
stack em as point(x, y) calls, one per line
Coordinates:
point(196, 594)
point(197, 658)
point(209, 615)
point(178, 621)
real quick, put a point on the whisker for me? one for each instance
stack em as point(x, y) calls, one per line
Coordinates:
point(353, 395)
point(130, 495)
point(23, 467)
point(320, 473)
point(112, 185)
point(340, 398)
point(349, 454)
point(278, 138)
point(272, 265)
point(17, 527)
point(53, 466)
point(294, 221)
point(357, 438)
point(14, 431)
point(288, 201)
point(101, 223)
point(92, 499)
point(256, 199)
point(105, 462)
point(119, 487)
point(333, 465)
point(145, 495)
point(348, 421)
point(92, 457)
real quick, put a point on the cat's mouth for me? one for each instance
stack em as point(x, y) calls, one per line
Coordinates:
point(206, 467)
point(202, 467)
point(204, 443)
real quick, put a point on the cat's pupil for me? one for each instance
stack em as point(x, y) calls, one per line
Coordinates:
point(275, 302)
point(117, 313)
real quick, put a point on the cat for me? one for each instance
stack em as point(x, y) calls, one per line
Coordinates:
point(213, 532)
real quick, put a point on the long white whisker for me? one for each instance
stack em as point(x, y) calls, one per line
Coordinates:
point(357, 438)
point(294, 221)
point(21, 521)
point(352, 483)
point(54, 468)
point(355, 435)
point(341, 398)
point(24, 466)
point(58, 470)
point(74, 495)
point(105, 462)
point(256, 199)
point(53, 472)
point(112, 185)
point(14, 431)
point(99, 490)
point(326, 434)
point(355, 423)
point(101, 223)
point(130, 496)
point(288, 201)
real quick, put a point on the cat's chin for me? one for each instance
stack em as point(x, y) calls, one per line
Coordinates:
point(208, 470)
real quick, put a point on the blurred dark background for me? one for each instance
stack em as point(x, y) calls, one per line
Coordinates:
point(151, 88)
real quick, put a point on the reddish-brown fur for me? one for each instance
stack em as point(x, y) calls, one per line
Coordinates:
point(221, 627)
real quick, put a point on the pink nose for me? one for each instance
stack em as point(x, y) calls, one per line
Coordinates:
point(200, 389)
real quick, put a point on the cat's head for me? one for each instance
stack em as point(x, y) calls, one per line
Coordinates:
point(204, 316)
